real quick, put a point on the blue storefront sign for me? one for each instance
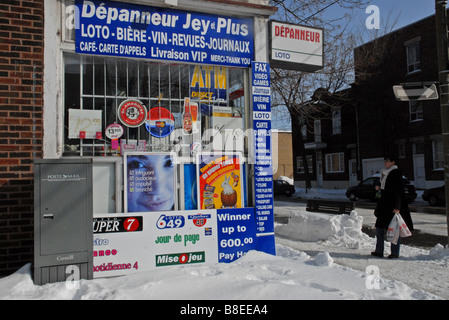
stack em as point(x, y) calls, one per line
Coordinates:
point(129, 30)
point(263, 167)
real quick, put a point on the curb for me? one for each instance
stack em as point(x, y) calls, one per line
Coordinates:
point(371, 205)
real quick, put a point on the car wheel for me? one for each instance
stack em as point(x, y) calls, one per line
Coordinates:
point(288, 193)
point(352, 197)
point(433, 200)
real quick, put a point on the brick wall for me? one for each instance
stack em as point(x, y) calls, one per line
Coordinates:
point(21, 76)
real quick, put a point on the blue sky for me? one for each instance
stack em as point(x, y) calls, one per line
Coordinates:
point(407, 11)
point(394, 14)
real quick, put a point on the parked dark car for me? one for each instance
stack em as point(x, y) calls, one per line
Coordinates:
point(283, 187)
point(366, 189)
point(435, 196)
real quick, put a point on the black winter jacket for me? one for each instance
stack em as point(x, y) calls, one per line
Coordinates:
point(392, 197)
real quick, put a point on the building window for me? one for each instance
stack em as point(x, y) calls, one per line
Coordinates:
point(300, 164)
point(68, 20)
point(335, 162)
point(416, 110)
point(317, 130)
point(438, 160)
point(304, 132)
point(413, 58)
point(102, 84)
point(336, 122)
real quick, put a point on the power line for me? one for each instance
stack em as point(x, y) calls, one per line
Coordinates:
point(321, 10)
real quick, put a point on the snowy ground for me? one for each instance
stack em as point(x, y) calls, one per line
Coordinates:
point(332, 262)
point(337, 268)
point(291, 274)
point(418, 268)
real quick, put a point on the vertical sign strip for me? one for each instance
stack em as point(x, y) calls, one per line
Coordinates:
point(263, 170)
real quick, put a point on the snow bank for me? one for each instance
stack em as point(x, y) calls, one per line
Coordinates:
point(439, 252)
point(256, 276)
point(345, 230)
point(323, 259)
point(291, 274)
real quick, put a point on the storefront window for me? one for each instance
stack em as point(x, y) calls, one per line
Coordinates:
point(95, 87)
point(172, 107)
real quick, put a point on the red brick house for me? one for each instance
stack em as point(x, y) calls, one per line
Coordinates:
point(410, 129)
point(21, 107)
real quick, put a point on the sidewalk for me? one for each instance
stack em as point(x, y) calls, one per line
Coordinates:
point(430, 228)
point(416, 266)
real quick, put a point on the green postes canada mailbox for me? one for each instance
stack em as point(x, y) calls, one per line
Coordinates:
point(63, 215)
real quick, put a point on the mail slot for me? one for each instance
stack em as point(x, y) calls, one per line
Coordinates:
point(63, 215)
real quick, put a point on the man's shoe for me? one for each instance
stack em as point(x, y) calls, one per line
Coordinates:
point(393, 256)
point(376, 254)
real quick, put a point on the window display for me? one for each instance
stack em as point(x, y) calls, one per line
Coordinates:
point(116, 106)
point(172, 107)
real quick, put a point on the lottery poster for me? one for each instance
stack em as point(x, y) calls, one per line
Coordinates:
point(126, 243)
point(220, 180)
point(150, 182)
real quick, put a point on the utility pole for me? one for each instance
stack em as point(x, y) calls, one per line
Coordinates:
point(443, 69)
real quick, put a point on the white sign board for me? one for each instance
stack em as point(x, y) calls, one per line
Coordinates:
point(296, 47)
point(408, 92)
point(126, 243)
point(86, 121)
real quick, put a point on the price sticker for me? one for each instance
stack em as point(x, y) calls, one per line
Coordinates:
point(114, 131)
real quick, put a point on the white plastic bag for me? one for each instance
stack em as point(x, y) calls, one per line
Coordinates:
point(397, 228)
point(403, 229)
point(393, 230)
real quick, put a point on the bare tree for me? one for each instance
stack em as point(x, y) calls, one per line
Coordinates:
point(312, 96)
point(295, 89)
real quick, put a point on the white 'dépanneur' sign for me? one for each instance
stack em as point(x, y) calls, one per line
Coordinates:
point(296, 47)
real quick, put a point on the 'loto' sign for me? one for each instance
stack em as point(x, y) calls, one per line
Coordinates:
point(296, 47)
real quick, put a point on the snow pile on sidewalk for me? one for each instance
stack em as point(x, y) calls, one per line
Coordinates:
point(439, 252)
point(335, 267)
point(342, 238)
point(345, 230)
point(256, 276)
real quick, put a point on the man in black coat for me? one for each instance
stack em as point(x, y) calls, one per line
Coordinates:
point(392, 200)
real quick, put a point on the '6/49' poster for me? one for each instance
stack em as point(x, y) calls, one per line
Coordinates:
point(220, 180)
